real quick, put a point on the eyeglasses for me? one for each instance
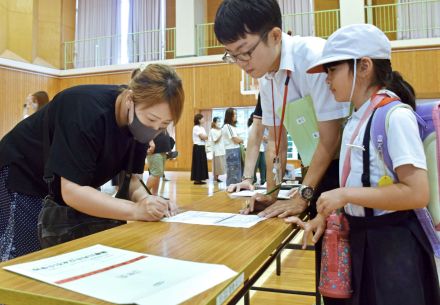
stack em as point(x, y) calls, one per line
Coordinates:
point(245, 56)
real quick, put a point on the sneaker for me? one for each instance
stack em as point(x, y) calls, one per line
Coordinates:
point(218, 180)
point(199, 182)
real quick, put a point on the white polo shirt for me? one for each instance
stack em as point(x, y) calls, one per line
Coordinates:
point(404, 147)
point(297, 55)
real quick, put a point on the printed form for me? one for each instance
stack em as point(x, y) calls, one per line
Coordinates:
point(125, 277)
point(216, 219)
point(282, 194)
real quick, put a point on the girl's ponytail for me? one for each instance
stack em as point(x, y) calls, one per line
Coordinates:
point(402, 88)
point(393, 81)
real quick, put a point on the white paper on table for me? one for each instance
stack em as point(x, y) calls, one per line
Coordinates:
point(125, 277)
point(291, 183)
point(283, 194)
point(216, 219)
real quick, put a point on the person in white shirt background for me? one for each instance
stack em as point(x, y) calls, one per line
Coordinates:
point(218, 149)
point(232, 143)
point(199, 165)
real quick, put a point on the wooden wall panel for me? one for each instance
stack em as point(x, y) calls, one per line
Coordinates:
point(323, 5)
point(171, 14)
point(3, 26)
point(218, 85)
point(49, 28)
point(212, 6)
point(421, 69)
point(118, 78)
point(184, 127)
point(21, 29)
point(15, 86)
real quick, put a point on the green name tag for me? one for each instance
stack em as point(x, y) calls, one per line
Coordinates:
point(302, 125)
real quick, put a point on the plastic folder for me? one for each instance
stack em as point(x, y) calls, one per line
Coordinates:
point(302, 125)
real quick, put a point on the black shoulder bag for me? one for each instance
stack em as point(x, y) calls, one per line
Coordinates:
point(61, 223)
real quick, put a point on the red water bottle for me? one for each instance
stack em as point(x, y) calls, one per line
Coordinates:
point(335, 278)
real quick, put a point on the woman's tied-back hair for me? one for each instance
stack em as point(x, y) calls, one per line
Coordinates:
point(236, 18)
point(197, 118)
point(392, 80)
point(41, 98)
point(135, 72)
point(159, 83)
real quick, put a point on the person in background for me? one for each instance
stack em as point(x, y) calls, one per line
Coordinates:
point(255, 138)
point(261, 161)
point(35, 102)
point(156, 157)
point(218, 149)
point(93, 129)
point(232, 143)
point(199, 165)
point(170, 155)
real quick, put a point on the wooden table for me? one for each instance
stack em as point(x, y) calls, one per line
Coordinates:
point(246, 251)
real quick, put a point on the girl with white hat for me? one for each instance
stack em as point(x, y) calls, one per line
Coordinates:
point(392, 260)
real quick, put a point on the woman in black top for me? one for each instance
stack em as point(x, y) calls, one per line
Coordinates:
point(91, 128)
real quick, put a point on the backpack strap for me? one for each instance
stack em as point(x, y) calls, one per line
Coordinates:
point(379, 128)
point(366, 182)
point(380, 101)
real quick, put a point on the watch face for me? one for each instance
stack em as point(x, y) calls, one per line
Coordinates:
point(307, 193)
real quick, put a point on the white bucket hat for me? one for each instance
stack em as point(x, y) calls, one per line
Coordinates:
point(353, 42)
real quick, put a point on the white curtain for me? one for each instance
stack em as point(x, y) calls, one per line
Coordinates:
point(418, 20)
point(297, 16)
point(147, 30)
point(97, 33)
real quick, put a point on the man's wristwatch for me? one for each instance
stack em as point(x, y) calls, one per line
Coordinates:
point(306, 192)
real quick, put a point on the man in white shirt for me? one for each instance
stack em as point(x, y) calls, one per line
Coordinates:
point(251, 32)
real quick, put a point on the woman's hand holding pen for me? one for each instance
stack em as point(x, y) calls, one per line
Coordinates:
point(152, 208)
point(171, 207)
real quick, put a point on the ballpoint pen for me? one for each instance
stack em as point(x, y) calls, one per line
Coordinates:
point(148, 190)
point(145, 187)
point(276, 188)
point(168, 214)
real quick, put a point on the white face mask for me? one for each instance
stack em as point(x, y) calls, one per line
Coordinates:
point(218, 125)
point(34, 106)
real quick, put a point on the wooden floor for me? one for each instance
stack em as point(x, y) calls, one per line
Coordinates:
point(298, 271)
